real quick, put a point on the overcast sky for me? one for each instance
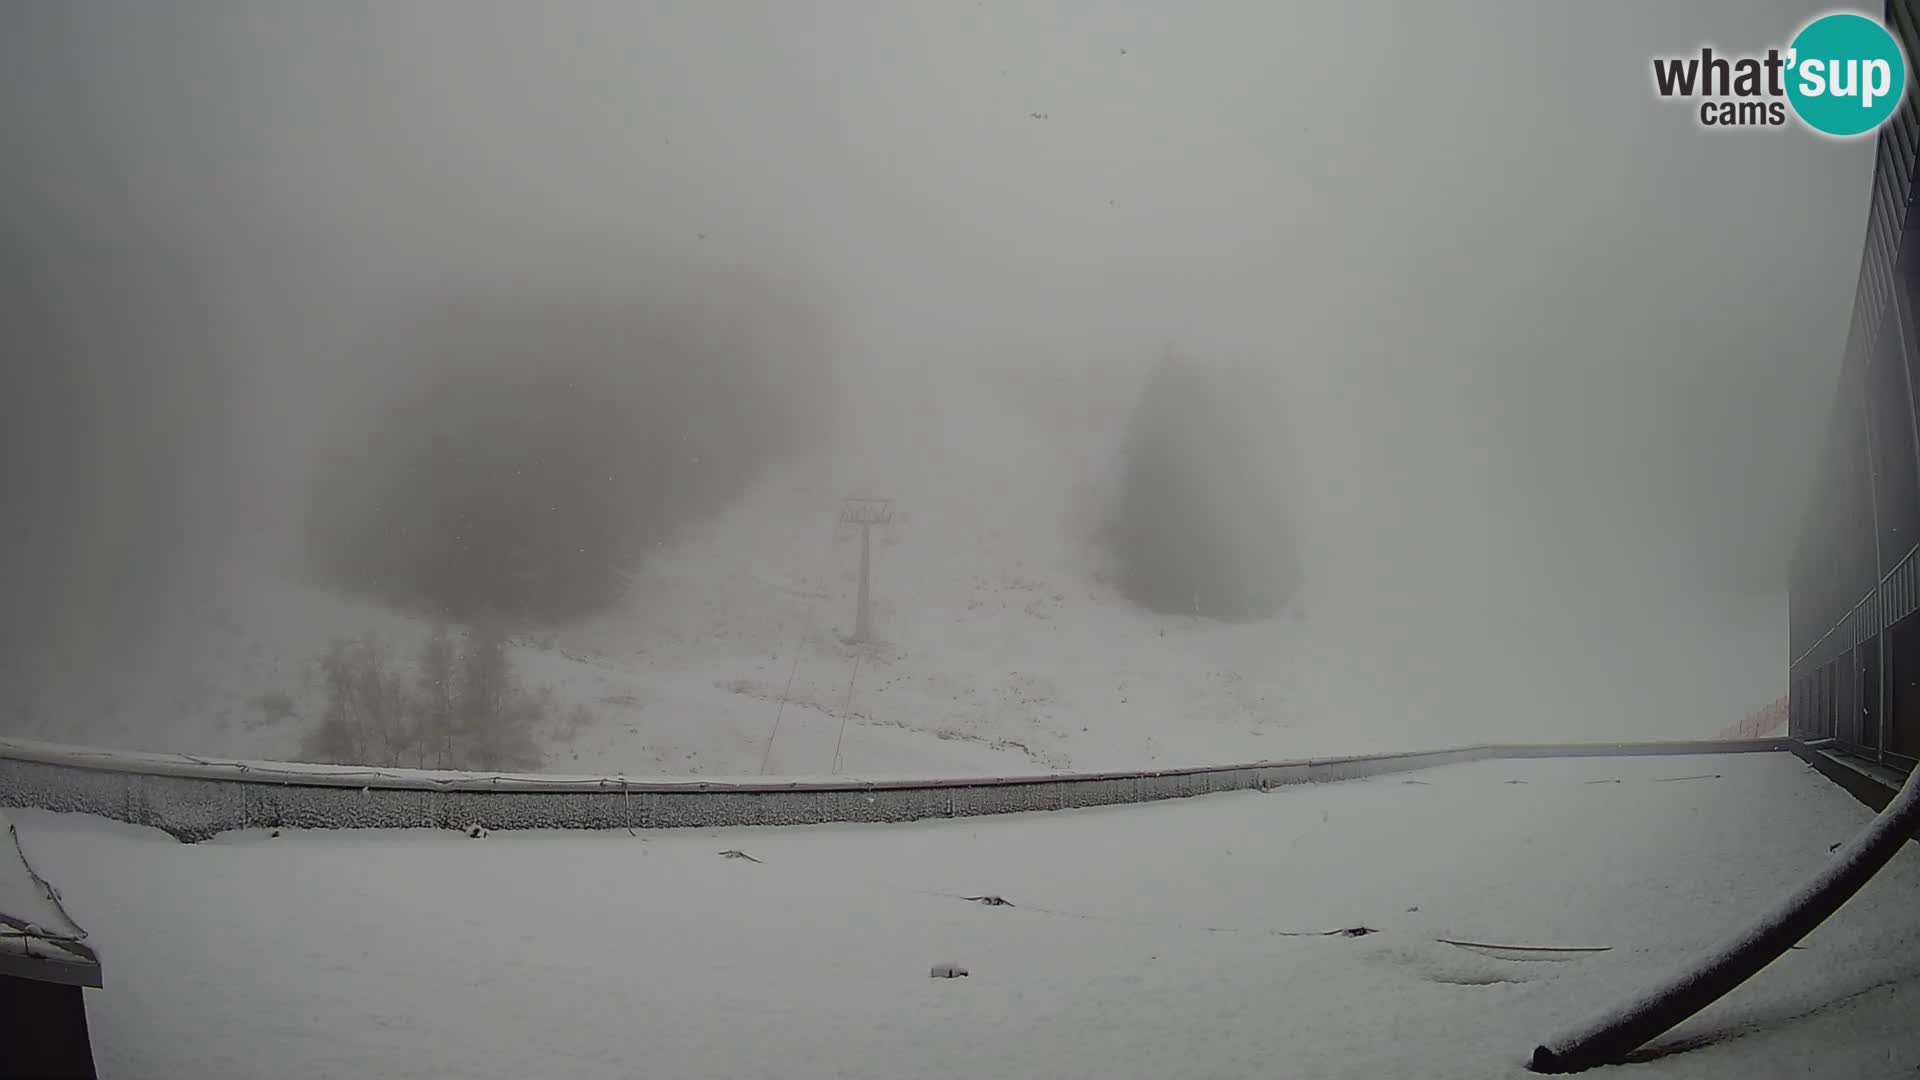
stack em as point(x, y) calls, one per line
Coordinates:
point(1531, 316)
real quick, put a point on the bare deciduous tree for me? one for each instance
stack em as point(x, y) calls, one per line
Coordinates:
point(433, 696)
point(460, 712)
point(365, 718)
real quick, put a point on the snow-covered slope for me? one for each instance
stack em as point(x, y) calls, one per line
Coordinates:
point(1004, 647)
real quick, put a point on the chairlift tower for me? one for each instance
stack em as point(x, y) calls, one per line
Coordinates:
point(865, 513)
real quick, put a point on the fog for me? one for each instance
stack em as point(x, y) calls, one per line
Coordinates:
point(1546, 364)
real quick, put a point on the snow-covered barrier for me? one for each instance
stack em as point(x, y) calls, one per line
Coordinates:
point(195, 798)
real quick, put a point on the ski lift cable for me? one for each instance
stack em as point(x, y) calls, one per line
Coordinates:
point(846, 710)
point(806, 631)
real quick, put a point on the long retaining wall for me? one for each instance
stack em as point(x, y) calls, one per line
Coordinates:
point(196, 798)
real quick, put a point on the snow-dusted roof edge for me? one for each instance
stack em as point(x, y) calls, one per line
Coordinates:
point(38, 938)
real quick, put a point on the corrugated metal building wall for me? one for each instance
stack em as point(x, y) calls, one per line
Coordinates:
point(1854, 584)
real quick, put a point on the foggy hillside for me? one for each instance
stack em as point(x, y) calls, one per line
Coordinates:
point(329, 320)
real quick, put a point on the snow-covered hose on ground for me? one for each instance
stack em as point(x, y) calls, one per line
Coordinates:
point(1706, 978)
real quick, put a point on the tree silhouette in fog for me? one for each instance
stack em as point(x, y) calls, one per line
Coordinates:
point(522, 457)
point(1205, 523)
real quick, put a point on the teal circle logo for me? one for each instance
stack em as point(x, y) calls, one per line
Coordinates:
point(1846, 74)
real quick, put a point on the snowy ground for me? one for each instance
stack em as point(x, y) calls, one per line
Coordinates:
point(1143, 941)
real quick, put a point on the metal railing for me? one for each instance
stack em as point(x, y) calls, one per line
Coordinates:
point(1896, 596)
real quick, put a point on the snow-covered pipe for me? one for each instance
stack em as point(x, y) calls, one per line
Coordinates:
point(1706, 978)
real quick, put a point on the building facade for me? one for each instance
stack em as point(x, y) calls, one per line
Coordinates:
point(1854, 582)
